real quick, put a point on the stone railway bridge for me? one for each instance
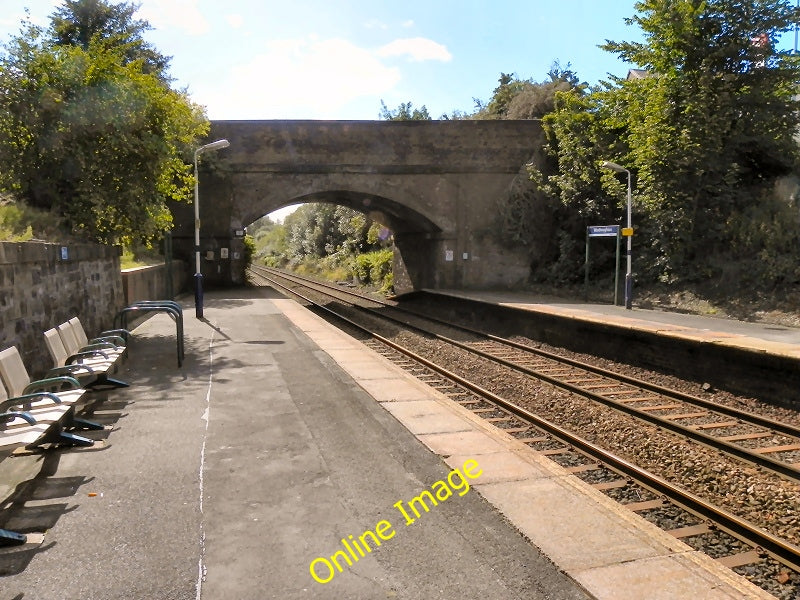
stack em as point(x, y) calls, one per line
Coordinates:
point(435, 184)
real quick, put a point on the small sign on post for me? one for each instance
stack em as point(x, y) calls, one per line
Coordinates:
point(602, 230)
point(593, 231)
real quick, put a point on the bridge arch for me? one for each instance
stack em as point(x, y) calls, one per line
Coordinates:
point(398, 217)
point(436, 184)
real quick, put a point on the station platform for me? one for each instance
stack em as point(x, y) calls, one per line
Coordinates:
point(778, 340)
point(284, 449)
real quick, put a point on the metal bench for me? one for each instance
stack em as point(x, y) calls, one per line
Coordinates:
point(90, 367)
point(36, 417)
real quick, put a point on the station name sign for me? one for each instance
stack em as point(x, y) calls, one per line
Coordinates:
point(602, 230)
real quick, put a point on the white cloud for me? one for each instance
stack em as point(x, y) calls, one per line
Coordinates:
point(298, 78)
point(235, 20)
point(417, 49)
point(176, 14)
point(409, 23)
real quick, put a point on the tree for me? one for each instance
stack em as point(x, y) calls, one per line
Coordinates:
point(77, 22)
point(517, 98)
point(94, 136)
point(713, 125)
point(706, 132)
point(404, 112)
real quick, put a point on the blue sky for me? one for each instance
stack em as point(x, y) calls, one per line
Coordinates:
point(329, 59)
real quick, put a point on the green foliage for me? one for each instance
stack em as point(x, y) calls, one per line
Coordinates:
point(330, 241)
point(271, 245)
point(93, 134)
point(20, 223)
point(12, 224)
point(517, 98)
point(404, 112)
point(324, 229)
point(79, 22)
point(373, 267)
point(249, 249)
point(706, 134)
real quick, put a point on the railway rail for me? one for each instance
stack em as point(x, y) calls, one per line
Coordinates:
point(742, 433)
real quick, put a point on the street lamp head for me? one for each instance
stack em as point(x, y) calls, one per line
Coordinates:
point(613, 166)
point(219, 144)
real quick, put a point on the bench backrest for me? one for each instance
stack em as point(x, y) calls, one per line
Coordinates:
point(56, 347)
point(68, 338)
point(78, 331)
point(12, 370)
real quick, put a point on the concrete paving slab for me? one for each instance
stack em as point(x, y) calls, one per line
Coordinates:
point(574, 532)
point(426, 416)
point(500, 466)
point(392, 388)
point(667, 578)
point(472, 443)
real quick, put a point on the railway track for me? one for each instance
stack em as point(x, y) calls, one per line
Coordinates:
point(740, 434)
point(761, 441)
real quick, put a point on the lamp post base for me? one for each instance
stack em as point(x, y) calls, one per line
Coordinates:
point(628, 291)
point(198, 295)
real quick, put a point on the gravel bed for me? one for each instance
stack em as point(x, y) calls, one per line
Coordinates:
point(716, 544)
point(765, 442)
point(570, 459)
point(512, 424)
point(629, 493)
point(599, 475)
point(733, 430)
point(669, 517)
point(773, 578)
point(736, 486)
point(551, 444)
point(752, 405)
point(792, 457)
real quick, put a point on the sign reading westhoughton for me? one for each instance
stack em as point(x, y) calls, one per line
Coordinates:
point(612, 231)
point(602, 230)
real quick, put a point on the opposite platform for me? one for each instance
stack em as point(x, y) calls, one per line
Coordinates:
point(760, 337)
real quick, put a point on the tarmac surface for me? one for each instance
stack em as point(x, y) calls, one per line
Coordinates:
point(226, 478)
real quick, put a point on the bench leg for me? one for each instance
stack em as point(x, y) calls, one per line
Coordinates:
point(65, 438)
point(104, 380)
point(85, 425)
point(62, 438)
point(12, 538)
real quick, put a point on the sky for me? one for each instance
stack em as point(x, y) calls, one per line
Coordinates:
point(338, 59)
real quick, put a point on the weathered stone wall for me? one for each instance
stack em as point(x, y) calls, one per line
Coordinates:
point(150, 283)
point(40, 288)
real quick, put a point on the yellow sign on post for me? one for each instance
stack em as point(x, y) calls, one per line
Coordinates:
point(627, 231)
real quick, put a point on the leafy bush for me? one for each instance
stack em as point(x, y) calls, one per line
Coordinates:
point(374, 268)
point(20, 223)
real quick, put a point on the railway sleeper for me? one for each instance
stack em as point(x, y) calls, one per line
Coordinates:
point(740, 559)
point(771, 449)
point(690, 530)
point(746, 436)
